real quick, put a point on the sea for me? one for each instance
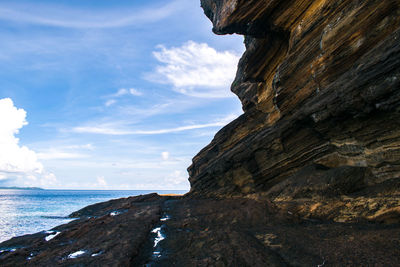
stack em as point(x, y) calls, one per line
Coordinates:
point(31, 211)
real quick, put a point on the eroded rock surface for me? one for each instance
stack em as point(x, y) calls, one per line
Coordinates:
point(320, 86)
point(309, 175)
point(113, 233)
point(207, 232)
point(247, 232)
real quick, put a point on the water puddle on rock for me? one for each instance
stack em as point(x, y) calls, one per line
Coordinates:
point(76, 254)
point(51, 235)
point(159, 236)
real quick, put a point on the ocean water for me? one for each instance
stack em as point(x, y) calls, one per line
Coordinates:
point(30, 211)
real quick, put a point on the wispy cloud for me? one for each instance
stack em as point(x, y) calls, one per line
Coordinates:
point(162, 107)
point(63, 16)
point(196, 69)
point(135, 92)
point(165, 155)
point(112, 99)
point(124, 91)
point(101, 181)
point(65, 152)
point(110, 102)
point(54, 154)
point(113, 129)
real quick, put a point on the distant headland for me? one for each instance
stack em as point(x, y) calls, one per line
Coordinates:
point(21, 188)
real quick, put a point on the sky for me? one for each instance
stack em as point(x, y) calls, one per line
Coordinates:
point(99, 94)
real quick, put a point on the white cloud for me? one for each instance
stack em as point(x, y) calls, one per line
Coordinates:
point(101, 181)
point(112, 129)
point(123, 91)
point(13, 157)
point(55, 154)
point(110, 102)
point(196, 69)
point(48, 179)
point(179, 129)
point(63, 16)
point(101, 129)
point(65, 152)
point(177, 178)
point(115, 131)
point(85, 146)
point(135, 92)
point(165, 155)
point(120, 92)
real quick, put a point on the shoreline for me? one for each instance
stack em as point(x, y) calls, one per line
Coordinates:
point(30, 211)
point(308, 175)
point(122, 232)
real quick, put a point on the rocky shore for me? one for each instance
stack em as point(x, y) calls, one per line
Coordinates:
point(204, 232)
point(309, 175)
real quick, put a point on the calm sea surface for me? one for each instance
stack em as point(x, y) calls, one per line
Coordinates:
point(30, 211)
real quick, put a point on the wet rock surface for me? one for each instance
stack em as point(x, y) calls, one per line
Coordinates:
point(309, 175)
point(101, 237)
point(208, 232)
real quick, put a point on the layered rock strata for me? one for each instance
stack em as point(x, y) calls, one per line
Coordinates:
point(320, 87)
point(309, 175)
point(203, 232)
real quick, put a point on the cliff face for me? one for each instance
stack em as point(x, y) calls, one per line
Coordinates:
point(319, 143)
point(320, 86)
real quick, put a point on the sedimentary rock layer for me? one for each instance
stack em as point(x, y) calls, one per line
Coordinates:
point(205, 232)
point(320, 87)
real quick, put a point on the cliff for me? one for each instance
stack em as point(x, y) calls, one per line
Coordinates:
point(320, 87)
point(309, 175)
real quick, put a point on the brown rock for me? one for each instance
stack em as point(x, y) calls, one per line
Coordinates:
point(309, 175)
point(320, 84)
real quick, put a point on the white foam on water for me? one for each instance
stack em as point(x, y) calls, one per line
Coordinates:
point(50, 237)
point(76, 254)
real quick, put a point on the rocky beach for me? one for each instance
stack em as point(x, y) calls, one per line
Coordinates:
point(309, 175)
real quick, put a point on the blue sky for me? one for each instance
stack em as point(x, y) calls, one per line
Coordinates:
point(110, 94)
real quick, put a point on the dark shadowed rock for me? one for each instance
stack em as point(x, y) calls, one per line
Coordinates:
point(251, 231)
point(309, 175)
point(102, 237)
point(320, 87)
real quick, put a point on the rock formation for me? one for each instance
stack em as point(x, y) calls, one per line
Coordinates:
point(320, 87)
point(309, 175)
point(203, 232)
